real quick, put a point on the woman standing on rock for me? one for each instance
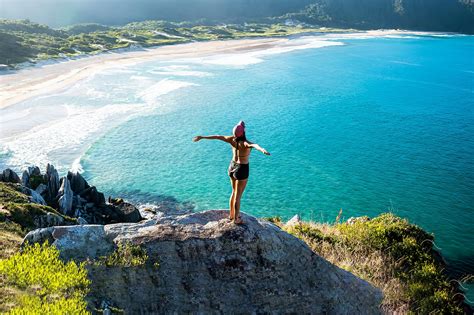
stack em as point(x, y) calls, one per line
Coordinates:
point(239, 165)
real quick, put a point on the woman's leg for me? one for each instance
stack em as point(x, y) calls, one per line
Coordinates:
point(240, 187)
point(232, 198)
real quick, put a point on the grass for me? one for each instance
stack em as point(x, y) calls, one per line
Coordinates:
point(391, 254)
point(15, 207)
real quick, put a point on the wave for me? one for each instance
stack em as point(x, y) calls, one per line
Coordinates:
point(165, 86)
point(62, 142)
point(34, 138)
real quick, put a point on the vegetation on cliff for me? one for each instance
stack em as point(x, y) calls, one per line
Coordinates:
point(35, 278)
point(41, 281)
point(126, 255)
point(426, 15)
point(391, 254)
point(387, 251)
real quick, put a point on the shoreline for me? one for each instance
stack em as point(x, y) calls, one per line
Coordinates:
point(43, 79)
point(51, 76)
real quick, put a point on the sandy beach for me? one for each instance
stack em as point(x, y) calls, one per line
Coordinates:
point(38, 80)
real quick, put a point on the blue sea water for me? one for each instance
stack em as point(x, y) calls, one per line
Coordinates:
point(370, 126)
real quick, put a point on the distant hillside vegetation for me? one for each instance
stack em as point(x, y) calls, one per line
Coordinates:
point(426, 15)
point(26, 41)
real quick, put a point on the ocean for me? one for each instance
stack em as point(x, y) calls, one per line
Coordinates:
point(359, 123)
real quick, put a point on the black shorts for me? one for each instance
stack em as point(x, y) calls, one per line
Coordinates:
point(238, 171)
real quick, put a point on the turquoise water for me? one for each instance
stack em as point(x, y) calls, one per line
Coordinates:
point(374, 125)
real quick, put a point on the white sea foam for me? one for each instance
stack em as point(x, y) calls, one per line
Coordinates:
point(63, 141)
point(165, 86)
point(254, 57)
point(65, 138)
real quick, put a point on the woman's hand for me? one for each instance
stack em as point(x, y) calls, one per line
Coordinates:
point(197, 138)
point(265, 152)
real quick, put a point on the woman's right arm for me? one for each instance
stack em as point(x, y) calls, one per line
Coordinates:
point(216, 137)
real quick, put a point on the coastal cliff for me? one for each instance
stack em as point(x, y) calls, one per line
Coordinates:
point(202, 262)
point(208, 264)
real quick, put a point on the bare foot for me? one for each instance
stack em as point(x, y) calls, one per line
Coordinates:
point(238, 221)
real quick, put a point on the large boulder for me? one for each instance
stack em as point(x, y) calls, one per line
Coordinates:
point(9, 176)
point(127, 211)
point(207, 264)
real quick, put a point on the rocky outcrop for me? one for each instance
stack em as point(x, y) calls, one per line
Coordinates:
point(33, 195)
point(65, 197)
point(207, 264)
point(9, 176)
point(52, 178)
point(71, 195)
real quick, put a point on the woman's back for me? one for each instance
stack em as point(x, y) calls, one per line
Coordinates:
point(240, 151)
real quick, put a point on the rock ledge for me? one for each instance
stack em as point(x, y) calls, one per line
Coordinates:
point(210, 265)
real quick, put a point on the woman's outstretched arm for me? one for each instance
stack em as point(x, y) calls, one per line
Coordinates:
point(216, 137)
point(257, 147)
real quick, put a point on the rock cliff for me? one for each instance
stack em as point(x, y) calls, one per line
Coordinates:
point(203, 263)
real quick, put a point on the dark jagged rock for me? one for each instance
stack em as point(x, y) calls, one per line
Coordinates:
point(128, 212)
point(209, 265)
point(92, 195)
point(34, 170)
point(78, 183)
point(72, 196)
point(41, 189)
point(9, 176)
point(25, 179)
point(52, 179)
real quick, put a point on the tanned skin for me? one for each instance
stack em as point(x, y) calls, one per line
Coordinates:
point(238, 186)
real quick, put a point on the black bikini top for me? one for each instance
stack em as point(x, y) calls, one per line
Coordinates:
point(237, 149)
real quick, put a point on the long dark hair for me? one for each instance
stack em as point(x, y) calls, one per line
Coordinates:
point(241, 138)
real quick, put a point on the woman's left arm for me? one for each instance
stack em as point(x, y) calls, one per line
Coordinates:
point(257, 147)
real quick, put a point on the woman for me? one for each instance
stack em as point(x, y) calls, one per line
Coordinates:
point(239, 166)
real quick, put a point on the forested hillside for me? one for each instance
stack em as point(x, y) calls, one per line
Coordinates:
point(427, 15)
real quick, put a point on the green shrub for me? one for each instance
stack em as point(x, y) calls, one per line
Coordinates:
point(48, 285)
point(126, 255)
point(390, 253)
point(275, 220)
